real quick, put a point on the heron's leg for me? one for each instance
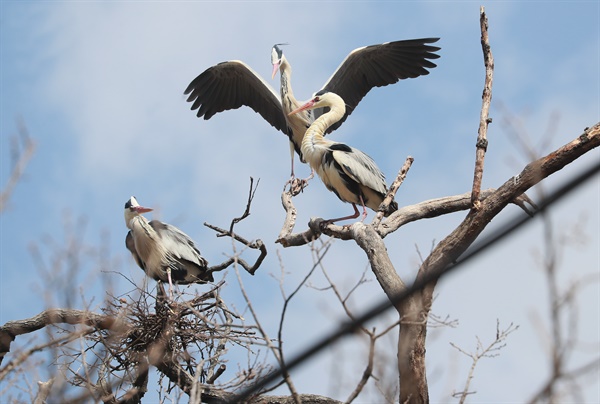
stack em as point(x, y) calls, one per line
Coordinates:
point(170, 282)
point(353, 216)
point(310, 177)
point(292, 149)
point(304, 182)
point(296, 185)
point(364, 215)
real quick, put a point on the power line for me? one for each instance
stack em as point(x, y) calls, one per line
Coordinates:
point(351, 326)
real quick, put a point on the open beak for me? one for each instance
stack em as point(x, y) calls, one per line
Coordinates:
point(275, 68)
point(142, 209)
point(304, 107)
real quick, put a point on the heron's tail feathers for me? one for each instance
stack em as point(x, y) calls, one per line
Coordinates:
point(190, 272)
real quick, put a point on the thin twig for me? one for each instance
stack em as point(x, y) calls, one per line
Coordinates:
point(562, 307)
point(286, 302)
point(246, 213)
point(274, 349)
point(480, 352)
point(20, 160)
point(256, 245)
point(367, 373)
point(392, 191)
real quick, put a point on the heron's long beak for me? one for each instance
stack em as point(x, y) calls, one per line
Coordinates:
point(304, 107)
point(142, 209)
point(275, 68)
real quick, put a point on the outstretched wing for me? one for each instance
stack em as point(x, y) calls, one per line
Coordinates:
point(229, 85)
point(377, 66)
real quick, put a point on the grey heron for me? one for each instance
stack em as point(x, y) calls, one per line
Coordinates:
point(348, 172)
point(229, 85)
point(163, 251)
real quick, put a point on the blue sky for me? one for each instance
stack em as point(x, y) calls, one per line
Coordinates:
point(100, 87)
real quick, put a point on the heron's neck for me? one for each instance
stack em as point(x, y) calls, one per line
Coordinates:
point(313, 138)
point(285, 70)
point(139, 222)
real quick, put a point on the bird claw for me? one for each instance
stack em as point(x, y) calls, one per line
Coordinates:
point(297, 185)
point(324, 223)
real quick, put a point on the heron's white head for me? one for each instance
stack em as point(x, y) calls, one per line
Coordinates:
point(276, 58)
point(323, 99)
point(133, 209)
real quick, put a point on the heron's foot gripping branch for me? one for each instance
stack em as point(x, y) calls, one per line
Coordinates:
point(297, 185)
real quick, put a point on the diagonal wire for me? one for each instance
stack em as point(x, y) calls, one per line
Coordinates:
point(348, 327)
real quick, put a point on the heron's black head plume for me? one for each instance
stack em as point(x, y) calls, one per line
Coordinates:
point(131, 202)
point(278, 50)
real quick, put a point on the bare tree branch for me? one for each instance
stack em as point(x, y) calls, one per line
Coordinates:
point(12, 329)
point(406, 214)
point(43, 392)
point(563, 339)
point(392, 191)
point(257, 245)
point(251, 193)
point(480, 352)
point(484, 119)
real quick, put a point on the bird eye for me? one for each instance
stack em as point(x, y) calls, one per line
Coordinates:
point(316, 99)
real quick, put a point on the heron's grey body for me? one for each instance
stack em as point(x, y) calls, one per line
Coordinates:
point(229, 85)
point(163, 251)
point(348, 172)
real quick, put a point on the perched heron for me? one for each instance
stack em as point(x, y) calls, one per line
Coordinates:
point(348, 172)
point(231, 84)
point(163, 251)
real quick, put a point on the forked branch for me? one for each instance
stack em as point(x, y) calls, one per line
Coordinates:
point(256, 245)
